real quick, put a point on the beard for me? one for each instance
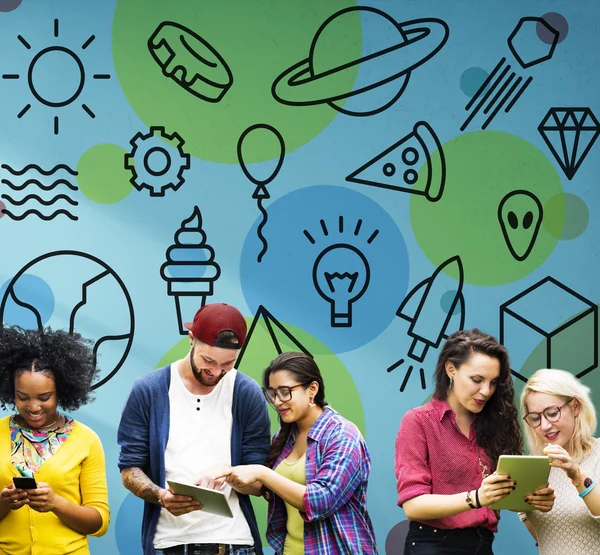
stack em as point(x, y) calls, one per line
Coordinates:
point(200, 378)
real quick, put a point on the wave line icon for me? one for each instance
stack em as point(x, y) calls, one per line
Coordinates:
point(56, 199)
point(37, 213)
point(49, 187)
point(37, 198)
point(37, 168)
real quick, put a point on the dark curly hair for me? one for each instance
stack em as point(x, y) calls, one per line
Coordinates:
point(497, 427)
point(305, 371)
point(68, 358)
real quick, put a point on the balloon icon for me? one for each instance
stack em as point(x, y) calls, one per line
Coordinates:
point(253, 141)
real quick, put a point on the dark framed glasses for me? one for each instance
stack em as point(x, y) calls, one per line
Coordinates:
point(551, 414)
point(283, 393)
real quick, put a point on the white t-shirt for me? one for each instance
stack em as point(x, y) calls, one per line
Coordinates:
point(200, 436)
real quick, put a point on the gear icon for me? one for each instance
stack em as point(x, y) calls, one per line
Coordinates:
point(153, 165)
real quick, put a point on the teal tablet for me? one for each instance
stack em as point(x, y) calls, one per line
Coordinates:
point(530, 473)
point(213, 501)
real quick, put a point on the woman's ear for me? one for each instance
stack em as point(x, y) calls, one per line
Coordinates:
point(313, 389)
point(450, 369)
point(575, 406)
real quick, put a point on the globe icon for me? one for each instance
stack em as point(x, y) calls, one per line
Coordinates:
point(78, 292)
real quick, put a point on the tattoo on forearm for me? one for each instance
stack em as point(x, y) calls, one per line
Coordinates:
point(138, 483)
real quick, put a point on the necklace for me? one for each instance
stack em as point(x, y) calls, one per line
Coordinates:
point(484, 467)
point(47, 425)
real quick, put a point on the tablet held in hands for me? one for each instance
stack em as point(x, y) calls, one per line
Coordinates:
point(213, 501)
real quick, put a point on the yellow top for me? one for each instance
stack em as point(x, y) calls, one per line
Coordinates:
point(76, 472)
point(294, 540)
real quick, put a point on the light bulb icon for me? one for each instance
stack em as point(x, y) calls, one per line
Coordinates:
point(341, 272)
point(341, 275)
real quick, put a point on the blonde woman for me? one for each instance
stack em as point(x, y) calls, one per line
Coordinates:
point(561, 421)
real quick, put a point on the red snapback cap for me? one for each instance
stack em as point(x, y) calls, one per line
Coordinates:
point(212, 319)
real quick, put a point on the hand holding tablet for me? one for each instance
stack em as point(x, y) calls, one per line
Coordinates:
point(530, 474)
point(213, 501)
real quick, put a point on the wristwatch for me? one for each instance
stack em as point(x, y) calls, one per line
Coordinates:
point(160, 499)
point(470, 501)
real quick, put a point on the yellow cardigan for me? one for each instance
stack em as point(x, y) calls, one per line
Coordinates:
point(76, 472)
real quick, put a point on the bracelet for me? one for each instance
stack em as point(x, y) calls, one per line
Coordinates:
point(470, 501)
point(587, 490)
point(477, 498)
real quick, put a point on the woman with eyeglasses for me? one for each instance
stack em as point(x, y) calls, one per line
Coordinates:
point(317, 470)
point(447, 450)
point(561, 421)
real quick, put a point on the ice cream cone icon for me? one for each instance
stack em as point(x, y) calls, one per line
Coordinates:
point(190, 269)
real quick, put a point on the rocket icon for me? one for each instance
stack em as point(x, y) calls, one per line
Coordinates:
point(422, 307)
point(427, 309)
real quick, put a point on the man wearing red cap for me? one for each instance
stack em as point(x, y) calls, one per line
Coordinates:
point(186, 423)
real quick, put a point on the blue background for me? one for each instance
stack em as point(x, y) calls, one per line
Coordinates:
point(132, 236)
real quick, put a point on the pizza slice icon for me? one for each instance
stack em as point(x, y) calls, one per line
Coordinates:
point(399, 166)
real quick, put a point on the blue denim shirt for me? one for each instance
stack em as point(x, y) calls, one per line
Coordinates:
point(144, 431)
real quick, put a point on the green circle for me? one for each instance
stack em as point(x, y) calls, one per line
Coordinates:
point(258, 41)
point(101, 175)
point(481, 169)
point(570, 208)
point(340, 390)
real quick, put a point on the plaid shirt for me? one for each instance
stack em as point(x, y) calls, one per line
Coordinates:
point(337, 470)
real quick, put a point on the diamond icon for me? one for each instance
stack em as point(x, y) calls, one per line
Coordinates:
point(570, 134)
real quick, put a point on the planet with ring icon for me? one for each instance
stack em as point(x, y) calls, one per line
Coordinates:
point(391, 51)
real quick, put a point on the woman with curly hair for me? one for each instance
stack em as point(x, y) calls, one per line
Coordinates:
point(447, 450)
point(39, 372)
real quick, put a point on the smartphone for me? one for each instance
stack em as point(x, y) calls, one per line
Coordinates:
point(24, 482)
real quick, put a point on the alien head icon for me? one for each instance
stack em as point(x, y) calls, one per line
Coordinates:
point(520, 214)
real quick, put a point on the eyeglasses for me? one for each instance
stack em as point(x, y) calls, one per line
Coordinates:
point(551, 414)
point(283, 393)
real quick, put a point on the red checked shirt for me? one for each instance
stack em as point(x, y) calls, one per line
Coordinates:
point(434, 457)
point(337, 471)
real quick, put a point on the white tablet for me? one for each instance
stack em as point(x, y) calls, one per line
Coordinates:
point(530, 473)
point(213, 501)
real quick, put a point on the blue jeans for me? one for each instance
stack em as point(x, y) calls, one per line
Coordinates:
point(190, 550)
point(426, 540)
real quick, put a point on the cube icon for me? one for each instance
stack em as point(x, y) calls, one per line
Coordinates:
point(549, 325)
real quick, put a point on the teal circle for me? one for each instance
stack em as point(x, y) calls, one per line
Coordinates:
point(471, 79)
point(446, 302)
point(573, 210)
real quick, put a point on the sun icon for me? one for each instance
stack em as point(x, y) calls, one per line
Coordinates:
point(56, 76)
